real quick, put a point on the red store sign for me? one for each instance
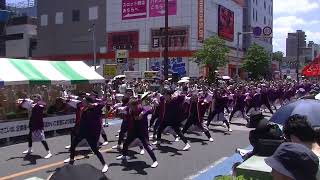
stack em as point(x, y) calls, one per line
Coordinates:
point(123, 40)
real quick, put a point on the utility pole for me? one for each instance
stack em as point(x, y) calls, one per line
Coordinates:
point(166, 47)
point(238, 51)
point(298, 57)
point(93, 31)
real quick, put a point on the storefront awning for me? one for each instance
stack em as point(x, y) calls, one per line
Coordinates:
point(22, 71)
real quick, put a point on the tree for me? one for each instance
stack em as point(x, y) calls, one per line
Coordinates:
point(213, 54)
point(278, 56)
point(256, 62)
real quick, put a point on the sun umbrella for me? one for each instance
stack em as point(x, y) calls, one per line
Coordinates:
point(305, 107)
point(185, 78)
point(226, 77)
point(317, 97)
point(183, 81)
point(78, 172)
point(119, 77)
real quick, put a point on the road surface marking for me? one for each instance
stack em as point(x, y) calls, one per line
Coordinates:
point(220, 167)
point(23, 173)
point(206, 169)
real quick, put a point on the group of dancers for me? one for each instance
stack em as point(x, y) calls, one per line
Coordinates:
point(175, 109)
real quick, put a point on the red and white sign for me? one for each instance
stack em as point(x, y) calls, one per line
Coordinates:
point(134, 9)
point(157, 8)
point(128, 40)
point(201, 20)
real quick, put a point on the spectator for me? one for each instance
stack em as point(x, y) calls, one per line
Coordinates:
point(293, 161)
point(298, 130)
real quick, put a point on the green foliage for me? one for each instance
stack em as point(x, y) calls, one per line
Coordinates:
point(213, 54)
point(278, 56)
point(256, 62)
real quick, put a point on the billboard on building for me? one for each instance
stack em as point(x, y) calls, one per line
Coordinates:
point(200, 20)
point(226, 23)
point(157, 8)
point(178, 38)
point(134, 9)
point(177, 65)
point(128, 40)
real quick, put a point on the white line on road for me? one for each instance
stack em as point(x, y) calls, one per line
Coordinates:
point(206, 169)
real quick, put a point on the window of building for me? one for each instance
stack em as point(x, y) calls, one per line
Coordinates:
point(44, 20)
point(76, 15)
point(93, 13)
point(59, 18)
point(265, 5)
point(253, 14)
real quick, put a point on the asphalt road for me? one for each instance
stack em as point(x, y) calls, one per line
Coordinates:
point(174, 164)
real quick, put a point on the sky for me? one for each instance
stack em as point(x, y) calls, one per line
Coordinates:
point(289, 16)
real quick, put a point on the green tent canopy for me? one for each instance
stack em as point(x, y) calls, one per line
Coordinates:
point(23, 71)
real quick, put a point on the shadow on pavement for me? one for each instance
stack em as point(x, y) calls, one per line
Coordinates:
point(29, 157)
point(137, 166)
point(197, 140)
point(167, 149)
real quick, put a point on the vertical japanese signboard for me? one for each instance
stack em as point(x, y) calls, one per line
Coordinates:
point(134, 9)
point(200, 20)
point(157, 8)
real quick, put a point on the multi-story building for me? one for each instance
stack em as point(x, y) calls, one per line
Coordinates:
point(3, 22)
point(258, 13)
point(63, 29)
point(21, 37)
point(294, 42)
point(137, 27)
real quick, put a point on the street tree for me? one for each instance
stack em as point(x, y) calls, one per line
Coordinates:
point(213, 54)
point(278, 56)
point(256, 62)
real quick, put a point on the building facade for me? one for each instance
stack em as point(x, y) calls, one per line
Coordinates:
point(2, 28)
point(63, 29)
point(137, 26)
point(21, 37)
point(258, 13)
point(292, 44)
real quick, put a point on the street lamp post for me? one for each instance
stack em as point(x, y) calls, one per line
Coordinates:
point(238, 51)
point(93, 31)
point(298, 57)
point(166, 47)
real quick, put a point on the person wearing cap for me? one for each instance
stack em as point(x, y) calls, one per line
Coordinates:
point(90, 129)
point(298, 130)
point(293, 161)
point(137, 118)
point(171, 114)
point(36, 106)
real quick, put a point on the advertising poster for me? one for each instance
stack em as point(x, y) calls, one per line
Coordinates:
point(226, 23)
point(128, 40)
point(134, 9)
point(157, 8)
point(176, 65)
point(109, 70)
point(200, 20)
point(178, 38)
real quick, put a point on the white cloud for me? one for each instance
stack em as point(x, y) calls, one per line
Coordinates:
point(295, 6)
point(285, 24)
point(286, 21)
point(313, 36)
